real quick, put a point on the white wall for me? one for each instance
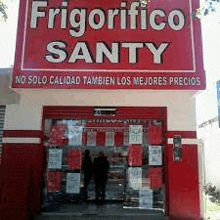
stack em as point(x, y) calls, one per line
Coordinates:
point(211, 138)
point(206, 101)
point(28, 114)
point(207, 108)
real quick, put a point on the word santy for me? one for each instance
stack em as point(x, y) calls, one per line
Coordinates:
point(127, 16)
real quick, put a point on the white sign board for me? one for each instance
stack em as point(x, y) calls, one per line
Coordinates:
point(146, 198)
point(135, 177)
point(75, 135)
point(73, 183)
point(155, 155)
point(135, 134)
point(55, 159)
point(109, 138)
point(91, 139)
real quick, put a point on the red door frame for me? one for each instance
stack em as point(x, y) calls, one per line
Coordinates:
point(85, 112)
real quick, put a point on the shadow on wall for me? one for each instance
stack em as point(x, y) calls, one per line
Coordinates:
point(8, 95)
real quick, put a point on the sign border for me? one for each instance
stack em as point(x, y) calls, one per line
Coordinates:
point(109, 70)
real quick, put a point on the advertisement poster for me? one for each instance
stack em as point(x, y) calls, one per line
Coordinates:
point(73, 183)
point(91, 138)
point(74, 159)
point(119, 139)
point(135, 134)
point(101, 136)
point(155, 155)
point(75, 135)
point(109, 138)
point(155, 134)
point(156, 177)
point(55, 159)
point(146, 198)
point(135, 177)
point(57, 135)
point(135, 155)
point(53, 181)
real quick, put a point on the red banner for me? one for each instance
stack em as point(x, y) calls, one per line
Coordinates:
point(119, 139)
point(84, 138)
point(156, 177)
point(100, 139)
point(58, 135)
point(53, 181)
point(135, 155)
point(155, 134)
point(108, 44)
point(74, 159)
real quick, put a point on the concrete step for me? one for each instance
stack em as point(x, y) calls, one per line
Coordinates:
point(69, 216)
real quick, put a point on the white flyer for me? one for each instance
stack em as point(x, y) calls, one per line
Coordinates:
point(75, 135)
point(73, 183)
point(91, 138)
point(55, 159)
point(135, 134)
point(109, 138)
point(146, 198)
point(155, 155)
point(135, 177)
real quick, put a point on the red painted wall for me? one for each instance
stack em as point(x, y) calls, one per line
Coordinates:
point(22, 166)
point(183, 184)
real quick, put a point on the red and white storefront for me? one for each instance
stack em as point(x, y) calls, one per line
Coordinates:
point(105, 75)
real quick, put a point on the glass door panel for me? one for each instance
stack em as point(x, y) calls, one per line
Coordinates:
point(133, 148)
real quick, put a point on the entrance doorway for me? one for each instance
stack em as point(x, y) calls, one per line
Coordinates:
point(132, 140)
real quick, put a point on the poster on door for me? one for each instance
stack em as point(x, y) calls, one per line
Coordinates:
point(58, 135)
point(109, 138)
point(75, 135)
point(155, 175)
point(55, 159)
point(73, 183)
point(91, 138)
point(74, 159)
point(155, 155)
point(145, 198)
point(53, 181)
point(119, 138)
point(135, 156)
point(135, 177)
point(155, 134)
point(135, 134)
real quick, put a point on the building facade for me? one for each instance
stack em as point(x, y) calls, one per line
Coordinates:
point(94, 80)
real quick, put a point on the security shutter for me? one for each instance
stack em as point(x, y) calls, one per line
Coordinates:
point(68, 112)
point(2, 119)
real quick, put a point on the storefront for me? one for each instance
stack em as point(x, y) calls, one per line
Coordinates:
point(174, 185)
point(113, 77)
point(111, 130)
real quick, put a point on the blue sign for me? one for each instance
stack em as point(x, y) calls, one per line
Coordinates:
point(218, 97)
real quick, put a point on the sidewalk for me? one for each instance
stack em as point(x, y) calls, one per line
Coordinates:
point(100, 212)
point(99, 217)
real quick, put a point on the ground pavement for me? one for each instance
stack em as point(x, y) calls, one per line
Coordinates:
point(100, 212)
